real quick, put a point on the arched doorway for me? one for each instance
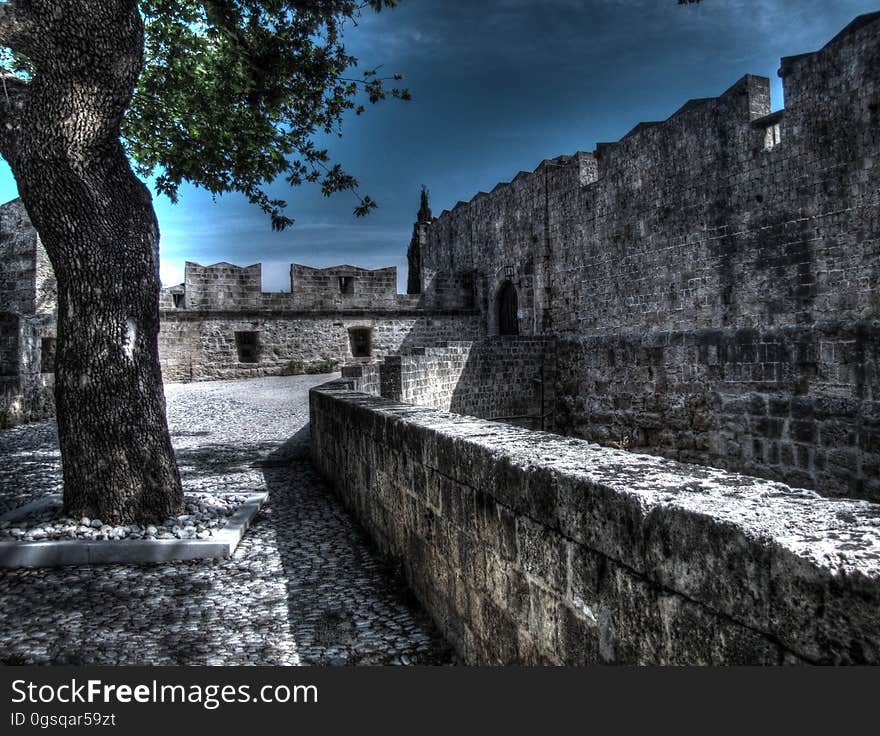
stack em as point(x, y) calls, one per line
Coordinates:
point(508, 322)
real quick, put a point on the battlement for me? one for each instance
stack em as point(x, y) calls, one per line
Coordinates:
point(790, 63)
point(225, 287)
point(720, 262)
point(732, 126)
point(695, 123)
point(721, 214)
point(343, 287)
point(222, 286)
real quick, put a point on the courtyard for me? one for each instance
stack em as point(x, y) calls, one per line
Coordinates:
point(303, 587)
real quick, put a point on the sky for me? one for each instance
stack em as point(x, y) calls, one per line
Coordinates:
point(498, 86)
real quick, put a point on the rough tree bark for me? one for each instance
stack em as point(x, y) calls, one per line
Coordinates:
point(59, 132)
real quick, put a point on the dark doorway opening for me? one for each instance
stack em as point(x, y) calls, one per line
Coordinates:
point(47, 355)
point(248, 346)
point(508, 319)
point(178, 300)
point(361, 339)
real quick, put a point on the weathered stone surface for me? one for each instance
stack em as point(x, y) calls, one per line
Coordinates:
point(508, 378)
point(597, 552)
point(762, 403)
point(702, 267)
point(202, 345)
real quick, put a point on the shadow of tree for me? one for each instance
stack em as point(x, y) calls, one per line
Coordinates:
point(345, 604)
point(221, 458)
point(302, 587)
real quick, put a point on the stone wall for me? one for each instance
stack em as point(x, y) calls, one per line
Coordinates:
point(338, 289)
point(198, 346)
point(447, 290)
point(713, 279)
point(796, 403)
point(509, 378)
point(27, 282)
point(343, 287)
point(698, 221)
point(529, 548)
point(26, 393)
point(222, 286)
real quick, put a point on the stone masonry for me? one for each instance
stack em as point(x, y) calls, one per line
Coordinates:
point(330, 316)
point(219, 324)
point(712, 281)
point(27, 320)
point(706, 289)
point(531, 548)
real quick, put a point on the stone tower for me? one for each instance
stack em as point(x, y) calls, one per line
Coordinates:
point(414, 252)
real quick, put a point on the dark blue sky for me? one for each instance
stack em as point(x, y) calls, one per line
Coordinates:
point(498, 86)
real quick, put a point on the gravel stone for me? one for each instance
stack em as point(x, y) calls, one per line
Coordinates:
point(207, 513)
point(304, 585)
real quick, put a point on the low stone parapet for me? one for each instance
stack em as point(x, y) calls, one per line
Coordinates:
point(527, 547)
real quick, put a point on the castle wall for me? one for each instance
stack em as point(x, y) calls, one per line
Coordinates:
point(503, 377)
point(795, 403)
point(343, 287)
point(445, 290)
point(722, 218)
point(222, 286)
point(695, 222)
point(202, 346)
point(502, 236)
point(530, 548)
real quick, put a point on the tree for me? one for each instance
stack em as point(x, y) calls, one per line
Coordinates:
point(226, 94)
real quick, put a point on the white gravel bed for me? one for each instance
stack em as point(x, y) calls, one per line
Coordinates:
point(204, 514)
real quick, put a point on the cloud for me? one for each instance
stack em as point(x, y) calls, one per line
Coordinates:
point(499, 85)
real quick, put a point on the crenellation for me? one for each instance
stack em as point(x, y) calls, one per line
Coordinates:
point(628, 411)
point(726, 251)
point(757, 226)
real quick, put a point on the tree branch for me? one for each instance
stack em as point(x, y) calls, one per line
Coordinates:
point(220, 15)
point(16, 29)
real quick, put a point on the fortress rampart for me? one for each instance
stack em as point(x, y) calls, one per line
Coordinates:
point(722, 215)
point(704, 291)
point(220, 324)
point(707, 289)
point(728, 256)
point(530, 548)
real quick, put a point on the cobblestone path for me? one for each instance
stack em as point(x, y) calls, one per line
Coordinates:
point(302, 588)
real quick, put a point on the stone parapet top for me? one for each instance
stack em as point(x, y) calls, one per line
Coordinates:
point(802, 568)
point(248, 312)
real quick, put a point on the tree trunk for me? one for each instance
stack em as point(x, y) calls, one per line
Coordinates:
point(97, 223)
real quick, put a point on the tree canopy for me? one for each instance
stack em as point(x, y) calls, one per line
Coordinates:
point(233, 93)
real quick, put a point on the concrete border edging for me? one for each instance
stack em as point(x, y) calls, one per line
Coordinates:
point(54, 553)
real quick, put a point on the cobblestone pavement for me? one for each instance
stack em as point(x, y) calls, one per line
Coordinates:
point(303, 587)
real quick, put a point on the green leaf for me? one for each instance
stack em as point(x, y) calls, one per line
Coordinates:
point(234, 92)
